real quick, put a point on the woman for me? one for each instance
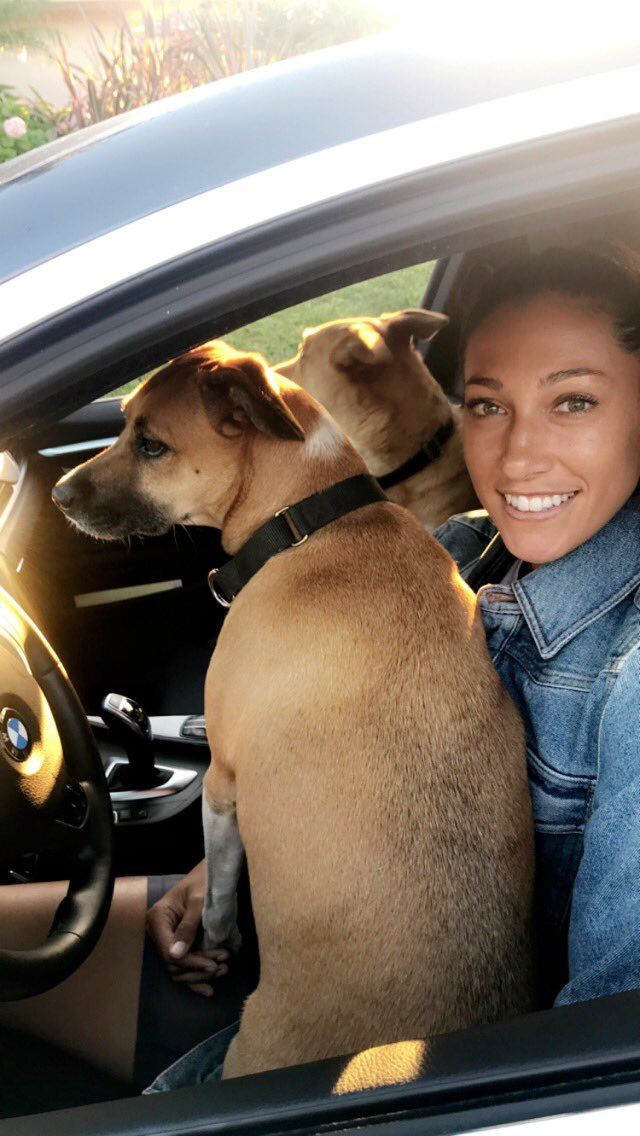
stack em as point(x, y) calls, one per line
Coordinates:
point(551, 361)
point(552, 442)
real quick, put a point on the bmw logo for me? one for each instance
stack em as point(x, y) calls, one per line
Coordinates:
point(14, 735)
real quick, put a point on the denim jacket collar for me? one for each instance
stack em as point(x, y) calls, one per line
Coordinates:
point(560, 599)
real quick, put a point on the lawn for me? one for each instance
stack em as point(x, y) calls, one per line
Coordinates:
point(277, 336)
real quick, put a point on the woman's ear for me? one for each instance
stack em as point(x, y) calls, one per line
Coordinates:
point(244, 390)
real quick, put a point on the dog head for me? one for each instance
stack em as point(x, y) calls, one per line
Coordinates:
point(370, 378)
point(190, 433)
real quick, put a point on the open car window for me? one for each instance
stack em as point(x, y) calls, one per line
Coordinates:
point(277, 336)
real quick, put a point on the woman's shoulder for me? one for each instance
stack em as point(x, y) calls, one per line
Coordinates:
point(466, 535)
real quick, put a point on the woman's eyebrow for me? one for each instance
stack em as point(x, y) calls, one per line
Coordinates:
point(570, 373)
point(553, 377)
point(482, 381)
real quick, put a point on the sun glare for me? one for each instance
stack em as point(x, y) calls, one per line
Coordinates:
point(499, 27)
point(383, 1065)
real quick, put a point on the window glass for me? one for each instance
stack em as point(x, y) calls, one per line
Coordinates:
point(277, 336)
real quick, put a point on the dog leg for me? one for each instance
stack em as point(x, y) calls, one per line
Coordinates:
point(223, 854)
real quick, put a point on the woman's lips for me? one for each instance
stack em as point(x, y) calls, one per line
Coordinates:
point(536, 507)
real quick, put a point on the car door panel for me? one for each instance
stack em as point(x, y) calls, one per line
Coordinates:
point(555, 1062)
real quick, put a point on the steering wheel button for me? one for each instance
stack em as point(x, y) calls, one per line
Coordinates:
point(73, 808)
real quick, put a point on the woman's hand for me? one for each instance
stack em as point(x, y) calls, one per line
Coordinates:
point(174, 924)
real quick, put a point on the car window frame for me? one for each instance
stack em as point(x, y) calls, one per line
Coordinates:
point(62, 364)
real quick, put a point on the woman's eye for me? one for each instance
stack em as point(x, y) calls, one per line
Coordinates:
point(151, 447)
point(483, 407)
point(575, 404)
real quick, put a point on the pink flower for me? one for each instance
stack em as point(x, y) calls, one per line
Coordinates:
point(15, 127)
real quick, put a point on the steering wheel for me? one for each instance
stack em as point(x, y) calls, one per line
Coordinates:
point(53, 795)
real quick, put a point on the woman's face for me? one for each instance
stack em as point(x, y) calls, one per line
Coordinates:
point(551, 424)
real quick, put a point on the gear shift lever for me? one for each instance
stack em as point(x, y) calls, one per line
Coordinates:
point(130, 727)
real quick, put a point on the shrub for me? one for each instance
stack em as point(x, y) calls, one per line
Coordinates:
point(174, 52)
point(23, 125)
point(183, 49)
point(135, 70)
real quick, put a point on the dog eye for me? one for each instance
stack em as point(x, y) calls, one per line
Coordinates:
point(151, 447)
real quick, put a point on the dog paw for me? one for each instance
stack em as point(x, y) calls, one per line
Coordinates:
point(234, 941)
point(220, 927)
point(214, 937)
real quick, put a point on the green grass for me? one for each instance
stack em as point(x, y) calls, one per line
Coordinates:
point(277, 336)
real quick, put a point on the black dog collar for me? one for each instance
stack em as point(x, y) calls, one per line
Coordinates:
point(290, 527)
point(429, 452)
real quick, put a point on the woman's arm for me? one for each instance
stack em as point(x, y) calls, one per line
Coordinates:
point(604, 929)
point(465, 536)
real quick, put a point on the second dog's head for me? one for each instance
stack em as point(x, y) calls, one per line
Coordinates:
point(370, 378)
point(190, 435)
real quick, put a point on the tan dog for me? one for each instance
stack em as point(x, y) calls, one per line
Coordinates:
point(375, 384)
point(364, 752)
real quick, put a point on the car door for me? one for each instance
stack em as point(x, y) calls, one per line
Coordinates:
point(551, 1064)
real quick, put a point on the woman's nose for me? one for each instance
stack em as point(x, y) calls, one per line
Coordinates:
point(526, 451)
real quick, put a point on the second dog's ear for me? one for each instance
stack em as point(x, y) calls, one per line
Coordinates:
point(361, 345)
point(242, 391)
point(401, 327)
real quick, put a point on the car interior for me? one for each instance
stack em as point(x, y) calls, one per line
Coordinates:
point(139, 619)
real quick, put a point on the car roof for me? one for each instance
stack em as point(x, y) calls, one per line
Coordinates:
point(99, 179)
point(90, 311)
point(337, 175)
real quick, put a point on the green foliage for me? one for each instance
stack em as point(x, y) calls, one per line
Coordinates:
point(235, 35)
point(19, 24)
point(39, 129)
point(277, 336)
point(134, 70)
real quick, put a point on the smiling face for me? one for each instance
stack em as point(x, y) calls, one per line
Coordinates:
point(551, 423)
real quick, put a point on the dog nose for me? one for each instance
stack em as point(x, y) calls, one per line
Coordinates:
point(62, 495)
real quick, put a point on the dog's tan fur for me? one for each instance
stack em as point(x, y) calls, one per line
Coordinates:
point(375, 384)
point(359, 732)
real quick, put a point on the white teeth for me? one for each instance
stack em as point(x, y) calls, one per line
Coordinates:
point(536, 504)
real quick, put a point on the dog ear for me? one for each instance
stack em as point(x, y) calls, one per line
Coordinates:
point(401, 327)
point(240, 390)
point(362, 344)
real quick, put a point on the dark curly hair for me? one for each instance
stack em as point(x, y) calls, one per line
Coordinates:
point(605, 277)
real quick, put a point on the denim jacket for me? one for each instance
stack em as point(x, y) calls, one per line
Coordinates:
point(564, 640)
